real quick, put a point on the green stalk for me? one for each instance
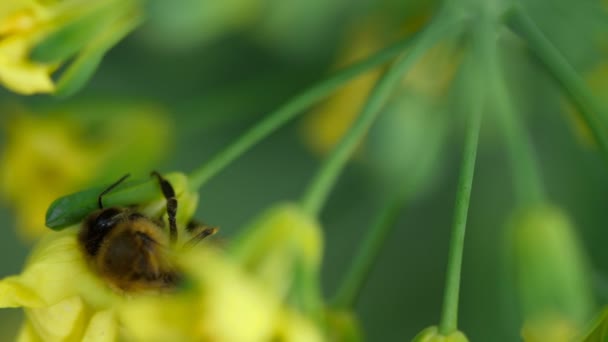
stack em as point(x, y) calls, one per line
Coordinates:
point(564, 73)
point(359, 270)
point(527, 178)
point(318, 190)
point(449, 316)
point(288, 111)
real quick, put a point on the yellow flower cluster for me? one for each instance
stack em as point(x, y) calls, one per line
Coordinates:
point(48, 156)
point(254, 290)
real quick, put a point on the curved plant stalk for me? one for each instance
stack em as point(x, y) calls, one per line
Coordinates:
point(528, 183)
point(288, 111)
point(559, 68)
point(318, 190)
point(448, 323)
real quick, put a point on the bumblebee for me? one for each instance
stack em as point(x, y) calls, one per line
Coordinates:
point(130, 250)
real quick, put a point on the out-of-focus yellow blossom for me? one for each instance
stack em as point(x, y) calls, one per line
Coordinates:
point(61, 296)
point(324, 127)
point(428, 78)
point(431, 334)
point(48, 156)
point(551, 274)
point(254, 291)
point(27, 24)
point(43, 158)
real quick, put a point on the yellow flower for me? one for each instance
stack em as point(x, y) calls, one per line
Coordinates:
point(21, 23)
point(37, 37)
point(61, 296)
point(257, 290)
point(48, 156)
point(44, 158)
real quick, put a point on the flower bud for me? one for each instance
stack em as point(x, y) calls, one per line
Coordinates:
point(343, 326)
point(283, 248)
point(551, 274)
point(431, 334)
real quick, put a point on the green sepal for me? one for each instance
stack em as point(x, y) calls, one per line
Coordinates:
point(343, 325)
point(86, 62)
point(431, 334)
point(71, 209)
point(70, 37)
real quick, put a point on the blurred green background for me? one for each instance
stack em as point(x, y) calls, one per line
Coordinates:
point(212, 69)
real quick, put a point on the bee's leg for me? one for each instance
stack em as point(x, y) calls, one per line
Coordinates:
point(201, 230)
point(169, 194)
point(108, 189)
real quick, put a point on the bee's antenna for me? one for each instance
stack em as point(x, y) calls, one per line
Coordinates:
point(115, 184)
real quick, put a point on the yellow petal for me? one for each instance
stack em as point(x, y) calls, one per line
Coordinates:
point(18, 73)
point(159, 318)
point(57, 270)
point(14, 294)
point(27, 333)
point(101, 328)
point(63, 321)
point(234, 306)
point(294, 328)
point(26, 78)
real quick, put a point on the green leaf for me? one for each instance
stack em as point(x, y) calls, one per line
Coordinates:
point(71, 209)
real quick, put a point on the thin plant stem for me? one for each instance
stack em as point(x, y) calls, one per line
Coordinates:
point(318, 190)
point(529, 189)
point(449, 315)
point(288, 111)
point(559, 68)
point(359, 270)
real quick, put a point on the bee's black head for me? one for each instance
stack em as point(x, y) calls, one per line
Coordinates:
point(97, 226)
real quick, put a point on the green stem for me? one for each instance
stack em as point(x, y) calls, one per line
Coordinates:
point(359, 270)
point(449, 316)
point(564, 73)
point(528, 183)
point(321, 185)
point(289, 111)
point(351, 285)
